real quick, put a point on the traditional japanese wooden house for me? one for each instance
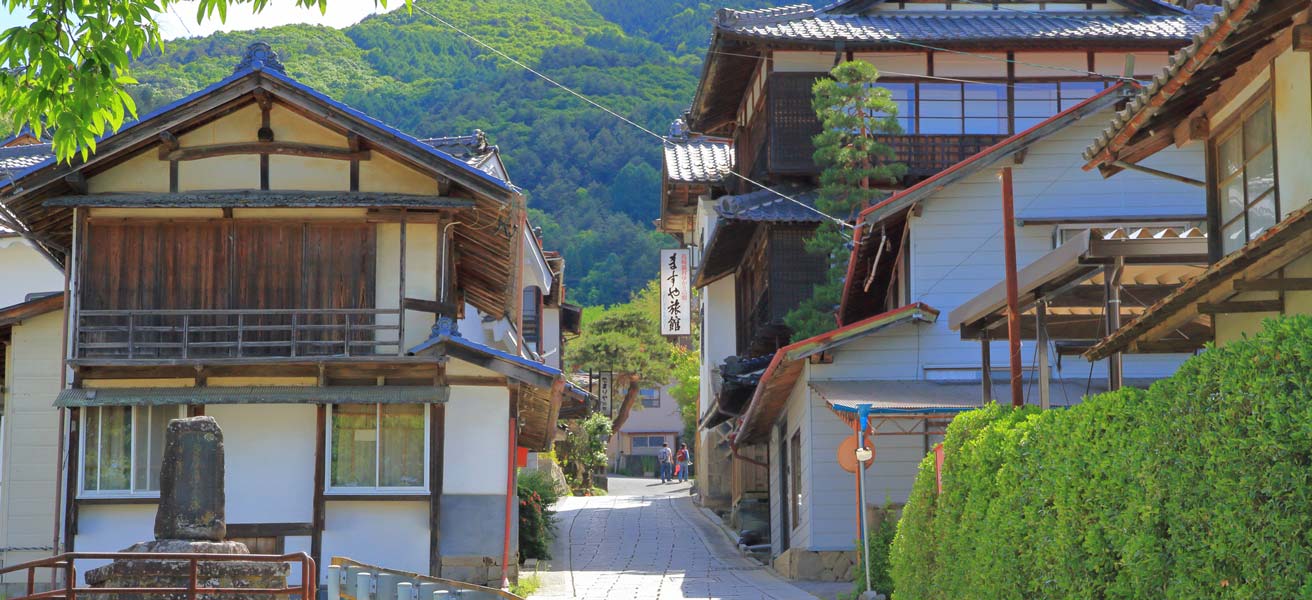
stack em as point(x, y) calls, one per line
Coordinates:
point(345, 299)
point(1242, 95)
point(965, 74)
point(908, 369)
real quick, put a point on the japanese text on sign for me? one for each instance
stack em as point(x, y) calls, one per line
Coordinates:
point(676, 307)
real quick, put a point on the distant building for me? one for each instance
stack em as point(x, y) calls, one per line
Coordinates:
point(654, 421)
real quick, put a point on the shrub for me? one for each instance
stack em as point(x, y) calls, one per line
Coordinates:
point(1200, 487)
point(537, 522)
point(881, 537)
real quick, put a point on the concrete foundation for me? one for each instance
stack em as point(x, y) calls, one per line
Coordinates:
point(811, 565)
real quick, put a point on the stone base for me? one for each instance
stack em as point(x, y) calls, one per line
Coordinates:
point(478, 570)
point(154, 573)
point(811, 565)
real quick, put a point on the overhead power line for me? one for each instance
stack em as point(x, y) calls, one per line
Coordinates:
point(599, 106)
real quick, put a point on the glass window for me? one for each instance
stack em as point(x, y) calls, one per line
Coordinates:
point(904, 95)
point(940, 108)
point(985, 108)
point(379, 446)
point(1246, 180)
point(651, 397)
point(124, 448)
point(1075, 92)
point(1035, 102)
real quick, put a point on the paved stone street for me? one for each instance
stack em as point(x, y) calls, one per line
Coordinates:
point(652, 545)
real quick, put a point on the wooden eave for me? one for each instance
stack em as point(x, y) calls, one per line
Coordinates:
point(1255, 261)
point(1255, 33)
point(485, 233)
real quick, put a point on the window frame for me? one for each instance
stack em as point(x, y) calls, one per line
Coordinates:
point(132, 492)
point(376, 490)
point(1007, 99)
point(643, 399)
point(1230, 128)
point(795, 478)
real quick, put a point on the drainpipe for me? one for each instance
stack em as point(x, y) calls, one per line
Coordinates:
point(510, 494)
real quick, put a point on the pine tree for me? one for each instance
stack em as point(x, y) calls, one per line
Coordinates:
point(853, 111)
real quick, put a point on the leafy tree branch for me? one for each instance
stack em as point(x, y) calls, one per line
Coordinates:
point(853, 113)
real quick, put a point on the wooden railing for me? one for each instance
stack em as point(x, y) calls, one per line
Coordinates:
point(927, 154)
point(196, 587)
point(153, 335)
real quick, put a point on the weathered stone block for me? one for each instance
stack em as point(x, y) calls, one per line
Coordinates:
point(191, 496)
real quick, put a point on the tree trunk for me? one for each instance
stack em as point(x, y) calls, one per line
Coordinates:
point(630, 398)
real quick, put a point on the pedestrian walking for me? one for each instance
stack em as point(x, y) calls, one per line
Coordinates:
point(684, 458)
point(666, 457)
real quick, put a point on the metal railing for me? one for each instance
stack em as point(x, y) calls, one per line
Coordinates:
point(351, 580)
point(239, 333)
point(65, 565)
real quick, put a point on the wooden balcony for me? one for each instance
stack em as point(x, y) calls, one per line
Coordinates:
point(182, 336)
point(791, 124)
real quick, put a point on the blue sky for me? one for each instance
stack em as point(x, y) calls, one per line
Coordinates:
point(180, 21)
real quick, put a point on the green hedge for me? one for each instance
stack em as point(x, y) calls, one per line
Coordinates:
point(1200, 487)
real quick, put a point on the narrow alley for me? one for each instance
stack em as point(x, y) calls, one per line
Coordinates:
point(649, 541)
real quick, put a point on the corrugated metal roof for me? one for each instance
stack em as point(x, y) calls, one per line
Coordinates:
point(802, 23)
point(698, 160)
point(253, 395)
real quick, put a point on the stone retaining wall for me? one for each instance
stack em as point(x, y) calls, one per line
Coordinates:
point(812, 565)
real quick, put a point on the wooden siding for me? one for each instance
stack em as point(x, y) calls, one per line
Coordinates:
point(225, 265)
point(213, 265)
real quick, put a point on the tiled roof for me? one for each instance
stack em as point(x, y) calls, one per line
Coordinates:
point(769, 206)
point(1183, 65)
point(801, 22)
point(698, 160)
point(17, 158)
point(473, 149)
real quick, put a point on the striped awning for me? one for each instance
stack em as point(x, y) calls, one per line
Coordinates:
point(363, 394)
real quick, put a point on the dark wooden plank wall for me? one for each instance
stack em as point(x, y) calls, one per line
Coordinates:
point(232, 265)
point(188, 266)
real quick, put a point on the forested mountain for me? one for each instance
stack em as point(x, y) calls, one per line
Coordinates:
point(592, 181)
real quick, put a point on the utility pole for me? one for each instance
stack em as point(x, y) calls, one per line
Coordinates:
point(1013, 294)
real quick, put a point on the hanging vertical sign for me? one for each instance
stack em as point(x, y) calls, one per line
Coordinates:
point(676, 308)
point(604, 393)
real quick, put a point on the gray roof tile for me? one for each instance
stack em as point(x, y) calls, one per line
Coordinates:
point(17, 158)
point(698, 160)
point(768, 206)
point(801, 22)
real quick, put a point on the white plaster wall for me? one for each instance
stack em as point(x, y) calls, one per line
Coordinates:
point(420, 275)
point(25, 271)
point(28, 457)
point(392, 534)
point(719, 333)
point(113, 527)
point(798, 61)
point(1293, 108)
point(551, 337)
point(476, 441)
point(260, 490)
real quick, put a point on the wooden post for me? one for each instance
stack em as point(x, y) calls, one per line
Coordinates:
point(986, 374)
point(1013, 295)
point(436, 457)
point(1041, 324)
point(1112, 286)
point(320, 479)
point(400, 301)
point(70, 485)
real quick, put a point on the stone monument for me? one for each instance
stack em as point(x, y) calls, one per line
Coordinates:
point(189, 520)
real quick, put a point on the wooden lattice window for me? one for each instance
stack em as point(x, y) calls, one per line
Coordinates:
point(1244, 168)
